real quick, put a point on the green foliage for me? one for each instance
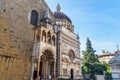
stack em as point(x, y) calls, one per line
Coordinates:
point(89, 46)
point(108, 70)
point(89, 56)
point(99, 68)
point(91, 63)
point(86, 68)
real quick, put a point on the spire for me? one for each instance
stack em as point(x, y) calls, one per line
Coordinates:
point(47, 14)
point(58, 7)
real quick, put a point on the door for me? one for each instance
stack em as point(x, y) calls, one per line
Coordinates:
point(72, 74)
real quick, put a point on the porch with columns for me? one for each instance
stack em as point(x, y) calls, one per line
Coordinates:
point(44, 66)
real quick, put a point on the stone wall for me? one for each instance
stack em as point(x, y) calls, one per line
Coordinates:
point(16, 37)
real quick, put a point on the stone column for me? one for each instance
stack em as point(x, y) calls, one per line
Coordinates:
point(47, 70)
point(32, 69)
point(38, 68)
point(44, 63)
point(44, 69)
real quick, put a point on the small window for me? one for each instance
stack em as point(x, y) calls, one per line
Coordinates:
point(112, 66)
point(117, 66)
point(34, 18)
point(65, 72)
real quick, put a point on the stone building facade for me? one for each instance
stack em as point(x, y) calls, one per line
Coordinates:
point(32, 36)
point(105, 56)
point(115, 65)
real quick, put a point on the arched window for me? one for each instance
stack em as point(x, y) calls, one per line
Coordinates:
point(49, 37)
point(43, 36)
point(34, 18)
point(53, 40)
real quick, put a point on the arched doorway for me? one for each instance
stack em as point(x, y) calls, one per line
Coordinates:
point(72, 73)
point(35, 70)
point(47, 67)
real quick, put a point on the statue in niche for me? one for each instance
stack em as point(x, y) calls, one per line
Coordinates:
point(43, 36)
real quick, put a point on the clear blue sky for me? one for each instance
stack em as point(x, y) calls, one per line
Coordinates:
point(97, 19)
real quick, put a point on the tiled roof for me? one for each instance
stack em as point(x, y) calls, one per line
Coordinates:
point(116, 58)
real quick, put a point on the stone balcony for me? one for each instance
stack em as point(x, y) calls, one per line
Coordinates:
point(38, 48)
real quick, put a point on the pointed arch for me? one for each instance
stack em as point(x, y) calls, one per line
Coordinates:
point(49, 37)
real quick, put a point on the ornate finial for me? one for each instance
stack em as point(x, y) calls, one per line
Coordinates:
point(58, 7)
point(47, 14)
point(118, 47)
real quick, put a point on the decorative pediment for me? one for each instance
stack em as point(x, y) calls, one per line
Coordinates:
point(116, 58)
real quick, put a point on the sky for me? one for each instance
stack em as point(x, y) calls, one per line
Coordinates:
point(97, 19)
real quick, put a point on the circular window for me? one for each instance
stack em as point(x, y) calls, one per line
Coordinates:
point(71, 55)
